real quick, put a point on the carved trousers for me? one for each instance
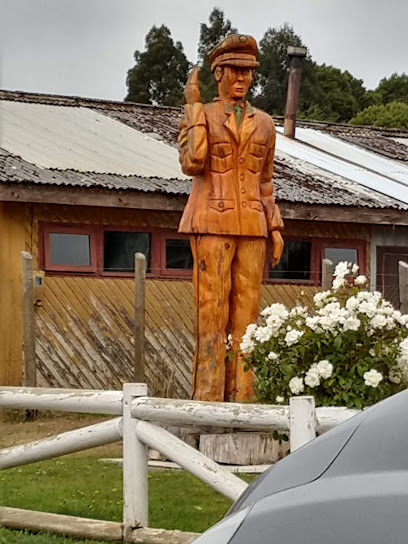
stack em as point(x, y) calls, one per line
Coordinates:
point(227, 279)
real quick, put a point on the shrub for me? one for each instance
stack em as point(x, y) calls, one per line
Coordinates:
point(350, 348)
point(393, 115)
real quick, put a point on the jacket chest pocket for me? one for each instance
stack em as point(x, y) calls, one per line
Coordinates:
point(255, 157)
point(221, 157)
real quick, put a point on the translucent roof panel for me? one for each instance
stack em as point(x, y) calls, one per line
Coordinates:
point(338, 157)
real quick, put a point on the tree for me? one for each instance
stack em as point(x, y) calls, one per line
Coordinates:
point(393, 89)
point(160, 72)
point(210, 36)
point(272, 75)
point(393, 114)
point(338, 95)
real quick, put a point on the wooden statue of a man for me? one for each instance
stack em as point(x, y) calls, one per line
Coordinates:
point(228, 146)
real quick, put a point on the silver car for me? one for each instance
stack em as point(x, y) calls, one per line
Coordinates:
point(348, 486)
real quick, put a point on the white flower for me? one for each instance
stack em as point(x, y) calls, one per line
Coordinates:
point(378, 321)
point(404, 346)
point(274, 321)
point(229, 341)
point(313, 322)
point(292, 337)
point(367, 308)
point(312, 377)
point(326, 322)
point(388, 309)
point(342, 269)
point(351, 324)
point(352, 303)
point(360, 280)
point(338, 283)
point(296, 385)
point(263, 334)
point(372, 378)
point(319, 298)
point(247, 345)
point(354, 269)
point(272, 356)
point(299, 310)
point(277, 309)
point(251, 329)
point(394, 375)
point(325, 369)
point(279, 399)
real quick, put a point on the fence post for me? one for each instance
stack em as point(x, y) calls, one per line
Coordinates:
point(28, 320)
point(140, 280)
point(327, 274)
point(302, 421)
point(135, 468)
point(403, 286)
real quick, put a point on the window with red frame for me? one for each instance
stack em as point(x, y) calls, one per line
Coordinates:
point(109, 251)
point(353, 251)
point(67, 248)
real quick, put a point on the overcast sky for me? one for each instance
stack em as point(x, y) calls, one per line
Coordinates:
point(85, 47)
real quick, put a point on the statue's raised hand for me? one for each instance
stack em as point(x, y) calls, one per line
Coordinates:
point(192, 88)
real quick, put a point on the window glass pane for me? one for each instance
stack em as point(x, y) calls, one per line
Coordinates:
point(339, 254)
point(120, 247)
point(178, 254)
point(70, 249)
point(295, 262)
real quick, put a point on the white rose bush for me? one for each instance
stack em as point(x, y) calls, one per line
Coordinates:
point(350, 348)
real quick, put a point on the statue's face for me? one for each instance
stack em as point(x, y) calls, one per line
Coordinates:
point(234, 82)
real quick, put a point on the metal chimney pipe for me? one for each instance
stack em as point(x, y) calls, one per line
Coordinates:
point(296, 56)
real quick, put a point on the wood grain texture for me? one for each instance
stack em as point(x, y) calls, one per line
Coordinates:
point(85, 325)
point(242, 448)
point(12, 243)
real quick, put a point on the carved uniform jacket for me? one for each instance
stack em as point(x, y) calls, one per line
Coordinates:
point(232, 191)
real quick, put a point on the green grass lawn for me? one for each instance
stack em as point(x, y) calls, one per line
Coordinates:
point(86, 487)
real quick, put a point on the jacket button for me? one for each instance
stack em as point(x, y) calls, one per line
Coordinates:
point(243, 191)
point(220, 204)
point(241, 160)
point(241, 177)
point(244, 204)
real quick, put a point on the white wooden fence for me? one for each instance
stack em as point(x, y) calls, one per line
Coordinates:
point(138, 426)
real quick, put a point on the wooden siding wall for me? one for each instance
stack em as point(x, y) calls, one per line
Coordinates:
point(84, 325)
point(14, 228)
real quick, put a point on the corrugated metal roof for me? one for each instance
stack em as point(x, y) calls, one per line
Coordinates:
point(303, 174)
point(295, 181)
point(403, 141)
point(82, 139)
point(338, 157)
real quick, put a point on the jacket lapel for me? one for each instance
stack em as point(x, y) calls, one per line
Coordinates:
point(231, 123)
point(247, 125)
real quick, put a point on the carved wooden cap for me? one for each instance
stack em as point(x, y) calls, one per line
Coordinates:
point(235, 50)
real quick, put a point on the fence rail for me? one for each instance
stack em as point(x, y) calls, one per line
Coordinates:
point(139, 428)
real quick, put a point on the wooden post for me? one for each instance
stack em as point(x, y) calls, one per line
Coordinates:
point(135, 468)
point(140, 280)
point(327, 274)
point(403, 286)
point(29, 378)
point(302, 421)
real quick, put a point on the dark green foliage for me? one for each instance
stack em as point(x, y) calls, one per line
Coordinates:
point(272, 75)
point(160, 71)
point(338, 95)
point(210, 36)
point(394, 115)
point(393, 89)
